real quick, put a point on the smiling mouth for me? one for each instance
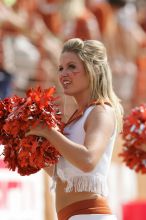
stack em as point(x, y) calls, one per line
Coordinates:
point(66, 83)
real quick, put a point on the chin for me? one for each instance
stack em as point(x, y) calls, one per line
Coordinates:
point(67, 92)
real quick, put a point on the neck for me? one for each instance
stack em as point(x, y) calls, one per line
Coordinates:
point(83, 102)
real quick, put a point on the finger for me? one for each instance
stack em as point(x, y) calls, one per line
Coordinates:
point(29, 133)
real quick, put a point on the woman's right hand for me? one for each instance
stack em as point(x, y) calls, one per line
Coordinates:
point(40, 130)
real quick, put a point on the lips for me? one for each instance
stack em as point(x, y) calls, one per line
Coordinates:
point(65, 83)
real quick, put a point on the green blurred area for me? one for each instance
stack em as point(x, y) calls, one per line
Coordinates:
point(9, 2)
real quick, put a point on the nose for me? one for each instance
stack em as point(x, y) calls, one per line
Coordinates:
point(64, 73)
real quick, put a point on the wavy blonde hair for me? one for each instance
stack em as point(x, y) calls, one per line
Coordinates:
point(94, 57)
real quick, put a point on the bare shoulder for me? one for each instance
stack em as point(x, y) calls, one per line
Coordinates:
point(100, 110)
point(101, 116)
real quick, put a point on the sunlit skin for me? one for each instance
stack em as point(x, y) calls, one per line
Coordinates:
point(73, 78)
point(99, 127)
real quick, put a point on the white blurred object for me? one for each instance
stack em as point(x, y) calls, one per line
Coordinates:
point(1, 150)
point(93, 217)
point(124, 77)
point(24, 48)
point(21, 58)
point(21, 197)
point(122, 187)
point(19, 51)
point(127, 16)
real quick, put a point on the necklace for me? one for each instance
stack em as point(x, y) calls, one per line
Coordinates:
point(78, 113)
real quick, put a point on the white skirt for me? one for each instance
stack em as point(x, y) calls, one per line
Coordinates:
point(93, 217)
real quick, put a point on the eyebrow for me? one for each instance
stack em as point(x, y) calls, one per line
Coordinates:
point(70, 62)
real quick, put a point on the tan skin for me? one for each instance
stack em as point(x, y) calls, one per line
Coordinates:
point(99, 128)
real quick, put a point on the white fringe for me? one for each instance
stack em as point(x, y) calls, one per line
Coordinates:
point(95, 184)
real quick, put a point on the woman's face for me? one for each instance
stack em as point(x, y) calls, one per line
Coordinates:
point(72, 75)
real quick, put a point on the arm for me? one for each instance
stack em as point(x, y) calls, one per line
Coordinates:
point(99, 127)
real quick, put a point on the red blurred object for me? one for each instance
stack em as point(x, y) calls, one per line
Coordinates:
point(134, 135)
point(2, 164)
point(135, 210)
point(139, 95)
point(28, 154)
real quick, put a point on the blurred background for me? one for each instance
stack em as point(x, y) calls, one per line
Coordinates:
point(32, 33)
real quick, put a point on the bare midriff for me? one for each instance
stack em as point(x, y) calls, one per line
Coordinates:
point(64, 199)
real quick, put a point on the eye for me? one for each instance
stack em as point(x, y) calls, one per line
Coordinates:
point(60, 68)
point(72, 66)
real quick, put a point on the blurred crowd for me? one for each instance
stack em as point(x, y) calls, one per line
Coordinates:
point(32, 33)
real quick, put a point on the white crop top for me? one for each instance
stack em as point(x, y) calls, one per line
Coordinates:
point(94, 181)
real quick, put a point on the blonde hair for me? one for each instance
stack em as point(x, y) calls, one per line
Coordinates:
point(94, 57)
